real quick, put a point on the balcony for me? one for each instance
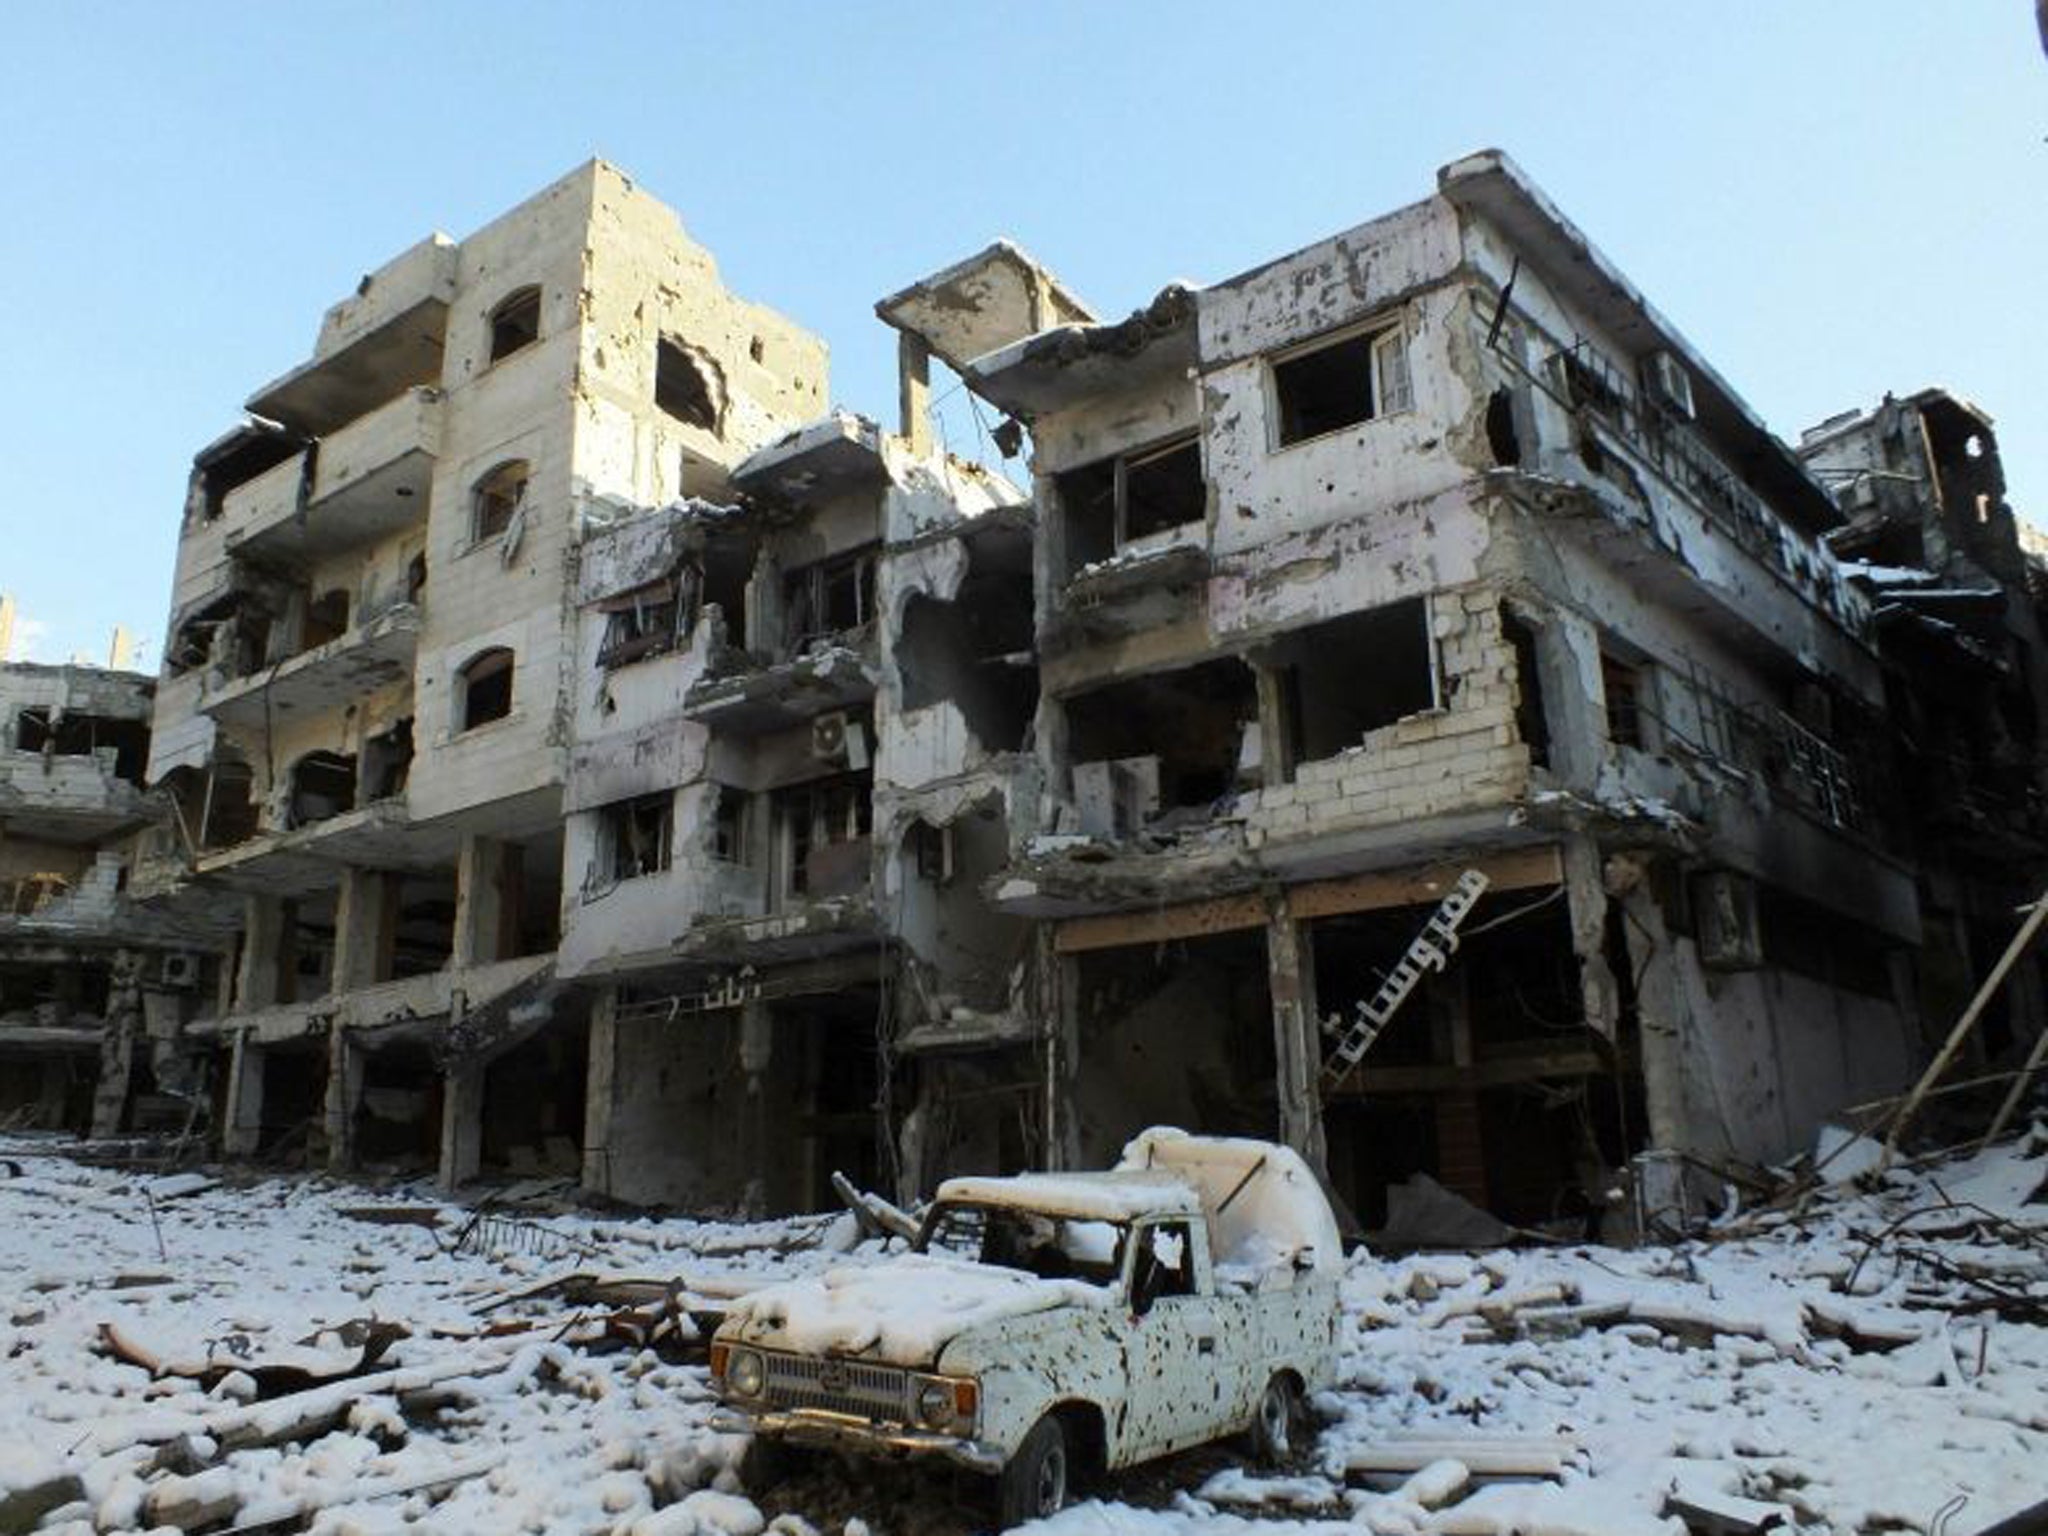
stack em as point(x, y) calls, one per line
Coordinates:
point(373, 346)
point(746, 699)
point(371, 479)
point(374, 653)
point(73, 797)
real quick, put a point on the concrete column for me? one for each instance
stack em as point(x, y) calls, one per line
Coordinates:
point(914, 391)
point(1663, 1023)
point(242, 1126)
point(462, 1125)
point(344, 1095)
point(117, 1045)
point(262, 977)
point(1586, 899)
point(757, 1055)
point(365, 928)
point(600, 1096)
point(766, 621)
point(1460, 1144)
point(1297, 1053)
point(1059, 1005)
point(1274, 725)
point(486, 901)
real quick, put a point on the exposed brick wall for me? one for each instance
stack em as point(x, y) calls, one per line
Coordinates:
point(1462, 757)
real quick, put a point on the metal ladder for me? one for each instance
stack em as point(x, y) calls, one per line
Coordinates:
point(1431, 951)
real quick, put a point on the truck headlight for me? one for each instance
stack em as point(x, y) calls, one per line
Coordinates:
point(935, 1404)
point(745, 1374)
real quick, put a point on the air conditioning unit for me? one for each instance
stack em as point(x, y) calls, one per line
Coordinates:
point(1668, 384)
point(1725, 921)
point(837, 737)
point(178, 968)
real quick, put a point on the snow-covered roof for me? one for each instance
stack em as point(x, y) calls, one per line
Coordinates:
point(1264, 1203)
point(1123, 1195)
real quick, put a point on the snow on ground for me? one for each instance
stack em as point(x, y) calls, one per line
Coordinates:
point(1838, 1363)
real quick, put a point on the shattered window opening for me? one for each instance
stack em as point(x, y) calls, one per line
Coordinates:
point(639, 833)
point(1622, 683)
point(1330, 385)
point(515, 323)
point(323, 786)
point(681, 387)
point(729, 826)
point(824, 828)
point(495, 498)
point(1130, 497)
point(1349, 676)
point(73, 733)
point(650, 621)
point(485, 686)
point(830, 598)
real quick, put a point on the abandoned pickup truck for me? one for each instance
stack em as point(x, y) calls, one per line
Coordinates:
point(1046, 1324)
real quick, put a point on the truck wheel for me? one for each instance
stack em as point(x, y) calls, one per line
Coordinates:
point(1034, 1483)
point(1277, 1426)
point(763, 1464)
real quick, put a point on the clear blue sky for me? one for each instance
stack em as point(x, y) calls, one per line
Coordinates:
point(1831, 200)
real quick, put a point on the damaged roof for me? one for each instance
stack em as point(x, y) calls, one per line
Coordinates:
point(1491, 184)
point(997, 296)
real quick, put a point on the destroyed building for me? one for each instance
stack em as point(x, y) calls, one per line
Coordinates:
point(369, 689)
point(94, 990)
point(1957, 609)
point(621, 764)
point(1434, 548)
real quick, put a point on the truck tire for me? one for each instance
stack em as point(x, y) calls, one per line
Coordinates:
point(1034, 1482)
point(1278, 1425)
point(763, 1464)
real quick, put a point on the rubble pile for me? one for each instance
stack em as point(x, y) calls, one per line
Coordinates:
point(289, 1354)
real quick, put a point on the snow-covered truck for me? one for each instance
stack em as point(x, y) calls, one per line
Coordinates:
point(1049, 1324)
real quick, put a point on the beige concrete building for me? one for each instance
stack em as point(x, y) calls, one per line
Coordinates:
point(95, 990)
point(368, 697)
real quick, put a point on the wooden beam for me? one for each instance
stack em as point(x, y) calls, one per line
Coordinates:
point(1187, 920)
point(1517, 869)
point(1496, 1072)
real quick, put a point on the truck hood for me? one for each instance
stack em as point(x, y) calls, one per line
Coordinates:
point(903, 1311)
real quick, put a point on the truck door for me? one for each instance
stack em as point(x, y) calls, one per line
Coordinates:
point(1178, 1390)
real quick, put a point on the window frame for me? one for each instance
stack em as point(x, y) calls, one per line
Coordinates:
point(482, 487)
point(1386, 337)
point(622, 817)
point(499, 314)
point(467, 677)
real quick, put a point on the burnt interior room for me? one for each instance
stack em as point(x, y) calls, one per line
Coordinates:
point(75, 734)
point(1174, 1033)
point(48, 1090)
point(533, 1102)
point(398, 1116)
point(294, 1097)
point(323, 786)
point(1352, 675)
point(978, 649)
point(423, 938)
point(1487, 1078)
point(837, 1119)
point(1194, 721)
point(982, 1112)
point(1120, 500)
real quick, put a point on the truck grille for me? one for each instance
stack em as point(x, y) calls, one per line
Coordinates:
point(838, 1386)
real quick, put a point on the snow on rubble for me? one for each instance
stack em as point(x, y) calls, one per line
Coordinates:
point(1853, 1365)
